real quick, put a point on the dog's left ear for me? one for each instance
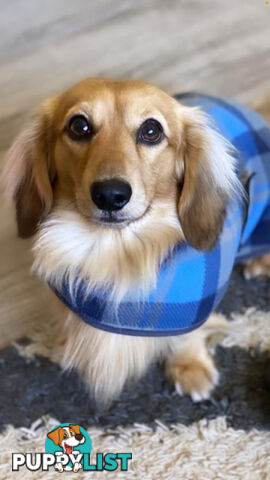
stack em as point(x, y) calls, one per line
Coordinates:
point(54, 436)
point(206, 172)
point(75, 428)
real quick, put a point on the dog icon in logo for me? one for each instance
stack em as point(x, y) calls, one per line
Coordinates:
point(68, 438)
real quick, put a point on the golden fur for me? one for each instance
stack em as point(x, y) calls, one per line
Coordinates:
point(180, 189)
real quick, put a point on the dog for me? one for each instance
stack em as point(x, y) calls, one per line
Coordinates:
point(110, 178)
point(67, 438)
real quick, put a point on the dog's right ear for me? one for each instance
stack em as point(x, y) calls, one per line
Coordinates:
point(54, 436)
point(207, 177)
point(28, 172)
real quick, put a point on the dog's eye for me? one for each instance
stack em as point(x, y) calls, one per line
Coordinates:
point(150, 132)
point(65, 435)
point(79, 128)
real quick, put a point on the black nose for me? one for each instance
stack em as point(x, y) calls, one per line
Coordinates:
point(111, 194)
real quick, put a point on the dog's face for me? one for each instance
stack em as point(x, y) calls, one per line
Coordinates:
point(67, 437)
point(114, 149)
point(127, 172)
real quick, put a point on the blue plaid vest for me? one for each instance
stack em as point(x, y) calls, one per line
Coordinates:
point(191, 283)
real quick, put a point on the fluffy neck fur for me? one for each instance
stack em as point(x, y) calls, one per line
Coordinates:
point(126, 261)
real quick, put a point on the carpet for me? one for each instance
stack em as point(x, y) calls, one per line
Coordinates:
point(170, 437)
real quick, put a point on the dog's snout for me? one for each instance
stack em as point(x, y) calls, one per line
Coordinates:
point(79, 436)
point(111, 194)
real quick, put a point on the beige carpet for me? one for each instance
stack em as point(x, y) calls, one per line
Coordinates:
point(203, 451)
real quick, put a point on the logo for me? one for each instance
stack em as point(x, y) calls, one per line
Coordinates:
point(68, 448)
point(68, 443)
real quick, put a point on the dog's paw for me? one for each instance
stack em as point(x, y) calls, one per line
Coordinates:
point(77, 467)
point(257, 268)
point(59, 467)
point(192, 376)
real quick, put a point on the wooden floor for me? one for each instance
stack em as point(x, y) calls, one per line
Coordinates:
point(222, 47)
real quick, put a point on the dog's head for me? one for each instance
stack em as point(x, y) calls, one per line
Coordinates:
point(114, 174)
point(67, 437)
point(113, 149)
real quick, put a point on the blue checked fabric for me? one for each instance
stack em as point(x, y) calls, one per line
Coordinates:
point(191, 283)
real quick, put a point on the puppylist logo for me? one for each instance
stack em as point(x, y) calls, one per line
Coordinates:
point(68, 449)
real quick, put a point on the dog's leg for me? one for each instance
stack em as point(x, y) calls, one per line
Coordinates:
point(189, 366)
point(258, 267)
point(59, 467)
point(77, 467)
point(191, 370)
point(107, 360)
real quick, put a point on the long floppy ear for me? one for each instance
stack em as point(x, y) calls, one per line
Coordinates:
point(75, 428)
point(54, 435)
point(28, 173)
point(208, 179)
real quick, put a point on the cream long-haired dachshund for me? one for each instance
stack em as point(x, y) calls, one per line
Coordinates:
point(110, 176)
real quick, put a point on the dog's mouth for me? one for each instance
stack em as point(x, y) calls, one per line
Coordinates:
point(68, 449)
point(113, 221)
point(110, 219)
